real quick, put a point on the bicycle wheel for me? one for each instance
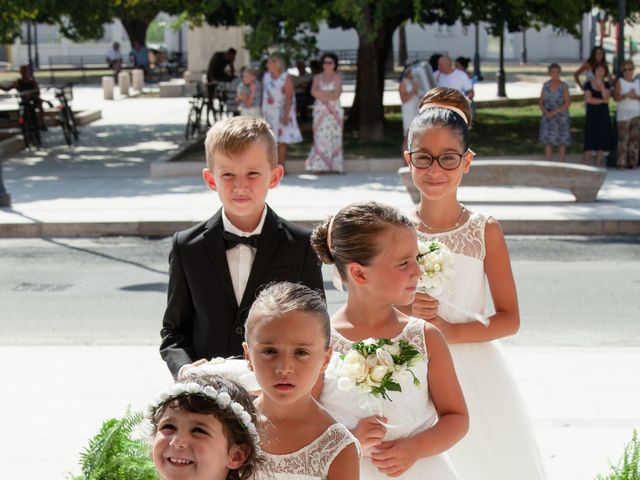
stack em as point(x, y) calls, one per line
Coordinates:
point(73, 126)
point(31, 119)
point(193, 123)
point(66, 128)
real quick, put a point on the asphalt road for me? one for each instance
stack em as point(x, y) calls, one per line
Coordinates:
point(573, 291)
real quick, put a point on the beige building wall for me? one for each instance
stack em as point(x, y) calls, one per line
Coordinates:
point(204, 41)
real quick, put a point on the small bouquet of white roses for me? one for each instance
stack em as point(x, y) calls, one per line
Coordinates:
point(436, 264)
point(375, 366)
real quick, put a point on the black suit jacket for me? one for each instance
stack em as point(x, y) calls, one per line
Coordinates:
point(203, 319)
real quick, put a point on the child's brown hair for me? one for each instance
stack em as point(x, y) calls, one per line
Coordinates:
point(233, 136)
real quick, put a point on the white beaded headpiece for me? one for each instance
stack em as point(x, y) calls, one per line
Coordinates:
point(220, 397)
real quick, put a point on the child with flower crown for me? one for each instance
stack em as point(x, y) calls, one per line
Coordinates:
point(374, 249)
point(287, 346)
point(438, 155)
point(204, 429)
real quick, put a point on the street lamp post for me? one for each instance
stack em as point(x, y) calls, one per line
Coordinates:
point(501, 77)
point(621, 17)
point(476, 56)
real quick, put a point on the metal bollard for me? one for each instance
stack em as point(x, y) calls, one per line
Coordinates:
point(5, 198)
point(137, 79)
point(107, 87)
point(124, 82)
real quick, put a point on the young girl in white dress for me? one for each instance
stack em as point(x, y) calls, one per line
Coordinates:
point(287, 346)
point(204, 427)
point(374, 249)
point(500, 444)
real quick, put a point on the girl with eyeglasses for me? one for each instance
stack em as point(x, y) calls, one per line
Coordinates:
point(500, 444)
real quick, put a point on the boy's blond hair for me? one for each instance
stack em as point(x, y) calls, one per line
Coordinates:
point(233, 136)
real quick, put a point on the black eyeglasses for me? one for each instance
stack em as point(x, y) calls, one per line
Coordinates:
point(447, 161)
point(627, 69)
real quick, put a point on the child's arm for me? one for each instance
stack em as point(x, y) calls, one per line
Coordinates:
point(346, 465)
point(506, 320)
point(395, 457)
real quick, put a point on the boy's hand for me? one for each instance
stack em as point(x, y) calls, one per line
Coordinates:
point(369, 432)
point(185, 368)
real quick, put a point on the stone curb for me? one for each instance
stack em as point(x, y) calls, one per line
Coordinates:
point(167, 228)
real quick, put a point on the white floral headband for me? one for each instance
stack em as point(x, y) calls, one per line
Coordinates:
point(220, 397)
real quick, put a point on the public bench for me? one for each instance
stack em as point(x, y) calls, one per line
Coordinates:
point(583, 181)
point(76, 62)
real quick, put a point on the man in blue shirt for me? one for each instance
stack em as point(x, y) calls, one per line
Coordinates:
point(139, 56)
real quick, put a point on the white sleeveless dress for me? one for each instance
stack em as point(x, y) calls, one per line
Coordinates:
point(273, 100)
point(410, 411)
point(500, 444)
point(311, 462)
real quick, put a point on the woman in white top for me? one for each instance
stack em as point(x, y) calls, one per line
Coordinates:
point(627, 94)
point(409, 96)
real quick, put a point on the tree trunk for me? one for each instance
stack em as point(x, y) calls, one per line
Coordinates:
point(136, 23)
point(372, 57)
point(403, 54)
point(368, 98)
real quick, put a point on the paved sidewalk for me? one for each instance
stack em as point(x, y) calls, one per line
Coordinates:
point(103, 186)
point(583, 403)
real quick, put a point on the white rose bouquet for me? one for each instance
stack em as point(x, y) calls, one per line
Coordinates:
point(436, 265)
point(375, 366)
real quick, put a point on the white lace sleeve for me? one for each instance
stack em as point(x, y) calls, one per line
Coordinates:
point(312, 461)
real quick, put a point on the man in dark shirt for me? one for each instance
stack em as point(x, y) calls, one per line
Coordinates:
point(27, 85)
point(221, 66)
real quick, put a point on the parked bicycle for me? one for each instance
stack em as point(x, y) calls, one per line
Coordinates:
point(207, 109)
point(66, 120)
point(194, 119)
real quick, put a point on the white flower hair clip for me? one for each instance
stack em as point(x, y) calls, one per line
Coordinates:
point(221, 398)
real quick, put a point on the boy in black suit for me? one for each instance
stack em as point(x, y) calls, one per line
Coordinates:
point(217, 267)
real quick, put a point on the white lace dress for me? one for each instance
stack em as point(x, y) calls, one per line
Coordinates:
point(410, 411)
point(500, 444)
point(310, 462)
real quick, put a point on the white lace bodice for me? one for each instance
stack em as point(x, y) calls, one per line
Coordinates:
point(310, 462)
point(409, 411)
point(465, 292)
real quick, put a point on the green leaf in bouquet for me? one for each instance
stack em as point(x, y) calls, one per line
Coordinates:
point(628, 468)
point(112, 454)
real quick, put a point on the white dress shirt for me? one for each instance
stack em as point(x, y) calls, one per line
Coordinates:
point(456, 79)
point(240, 258)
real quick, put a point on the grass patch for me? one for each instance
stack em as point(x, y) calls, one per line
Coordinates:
point(496, 131)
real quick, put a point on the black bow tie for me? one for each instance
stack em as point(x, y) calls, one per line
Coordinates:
point(231, 240)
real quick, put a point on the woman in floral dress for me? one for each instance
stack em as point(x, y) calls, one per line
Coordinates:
point(278, 105)
point(326, 153)
point(555, 124)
